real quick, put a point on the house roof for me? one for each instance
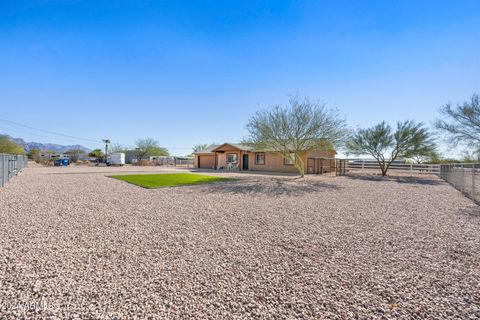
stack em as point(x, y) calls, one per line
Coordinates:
point(208, 150)
point(213, 148)
point(240, 146)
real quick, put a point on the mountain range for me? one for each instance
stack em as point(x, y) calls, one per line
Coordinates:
point(46, 146)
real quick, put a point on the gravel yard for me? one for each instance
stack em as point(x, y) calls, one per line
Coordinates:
point(80, 244)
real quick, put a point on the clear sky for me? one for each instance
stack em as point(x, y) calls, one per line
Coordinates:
point(188, 72)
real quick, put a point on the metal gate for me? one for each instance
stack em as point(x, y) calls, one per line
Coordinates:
point(338, 167)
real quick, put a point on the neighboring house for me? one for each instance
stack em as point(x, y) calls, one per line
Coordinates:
point(83, 157)
point(244, 157)
point(131, 157)
point(54, 156)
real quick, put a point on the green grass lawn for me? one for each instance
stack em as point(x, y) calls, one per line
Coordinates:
point(168, 179)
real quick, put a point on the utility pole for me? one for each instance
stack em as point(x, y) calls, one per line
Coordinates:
point(106, 141)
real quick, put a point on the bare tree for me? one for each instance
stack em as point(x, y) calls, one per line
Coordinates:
point(434, 156)
point(203, 146)
point(461, 125)
point(97, 153)
point(200, 147)
point(294, 129)
point(34, 154)
point(149, 147)
point(409, 140)
point(471, 156)
point(117, 147)
point(74, 154)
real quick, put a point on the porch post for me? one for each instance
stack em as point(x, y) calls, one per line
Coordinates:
point(215, 160)
point(240, 160)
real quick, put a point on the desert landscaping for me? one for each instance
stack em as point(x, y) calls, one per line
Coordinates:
point(239, 160)
point(81, 244)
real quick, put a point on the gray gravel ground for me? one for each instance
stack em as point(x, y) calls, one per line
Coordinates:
point(87, 246)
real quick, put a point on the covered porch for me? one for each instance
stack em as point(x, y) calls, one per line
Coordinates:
point(231, 157)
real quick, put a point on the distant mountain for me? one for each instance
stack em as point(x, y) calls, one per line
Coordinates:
point(46, 146)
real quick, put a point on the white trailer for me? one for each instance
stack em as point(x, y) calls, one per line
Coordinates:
point(116, 159)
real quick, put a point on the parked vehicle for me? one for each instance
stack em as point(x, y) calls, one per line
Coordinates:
point(61, 162)
point(116, 159)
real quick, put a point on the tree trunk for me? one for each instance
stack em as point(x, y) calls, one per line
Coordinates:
point(383, 167)
point(387, 166)
point(299, 165)
point(384, 171)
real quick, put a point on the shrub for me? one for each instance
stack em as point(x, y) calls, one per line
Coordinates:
point(144, 163)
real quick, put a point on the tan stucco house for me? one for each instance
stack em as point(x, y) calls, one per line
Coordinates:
point(244, 157)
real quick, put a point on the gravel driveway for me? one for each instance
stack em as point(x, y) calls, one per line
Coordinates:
point(77, 244)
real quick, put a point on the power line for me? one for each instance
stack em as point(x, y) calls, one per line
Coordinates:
point(74, 137)
point(50, 132)
point(23, 132)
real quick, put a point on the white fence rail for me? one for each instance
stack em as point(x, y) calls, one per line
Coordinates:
point(10, 166)
point(369, 165)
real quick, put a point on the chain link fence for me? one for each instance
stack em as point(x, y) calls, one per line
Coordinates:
point(10, 166)
point(463, 177)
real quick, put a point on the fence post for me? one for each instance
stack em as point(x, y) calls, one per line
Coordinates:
point(3, 170)
point(411, 169)
point(16, 165)
point(452, 173)
point(473, 182)
point(463, 178)
point(9, 159)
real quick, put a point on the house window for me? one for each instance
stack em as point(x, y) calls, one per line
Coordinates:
point(288, 161)
point(232, 158)
point(259, 158)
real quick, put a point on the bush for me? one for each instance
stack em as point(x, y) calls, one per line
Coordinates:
point(82, 163)
point(45, 162)
point(7, 145)
point(144, 163)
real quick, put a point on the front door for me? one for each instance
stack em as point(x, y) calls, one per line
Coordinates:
point(245, 162)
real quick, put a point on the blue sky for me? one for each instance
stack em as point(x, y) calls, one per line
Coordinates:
point(188, 72)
